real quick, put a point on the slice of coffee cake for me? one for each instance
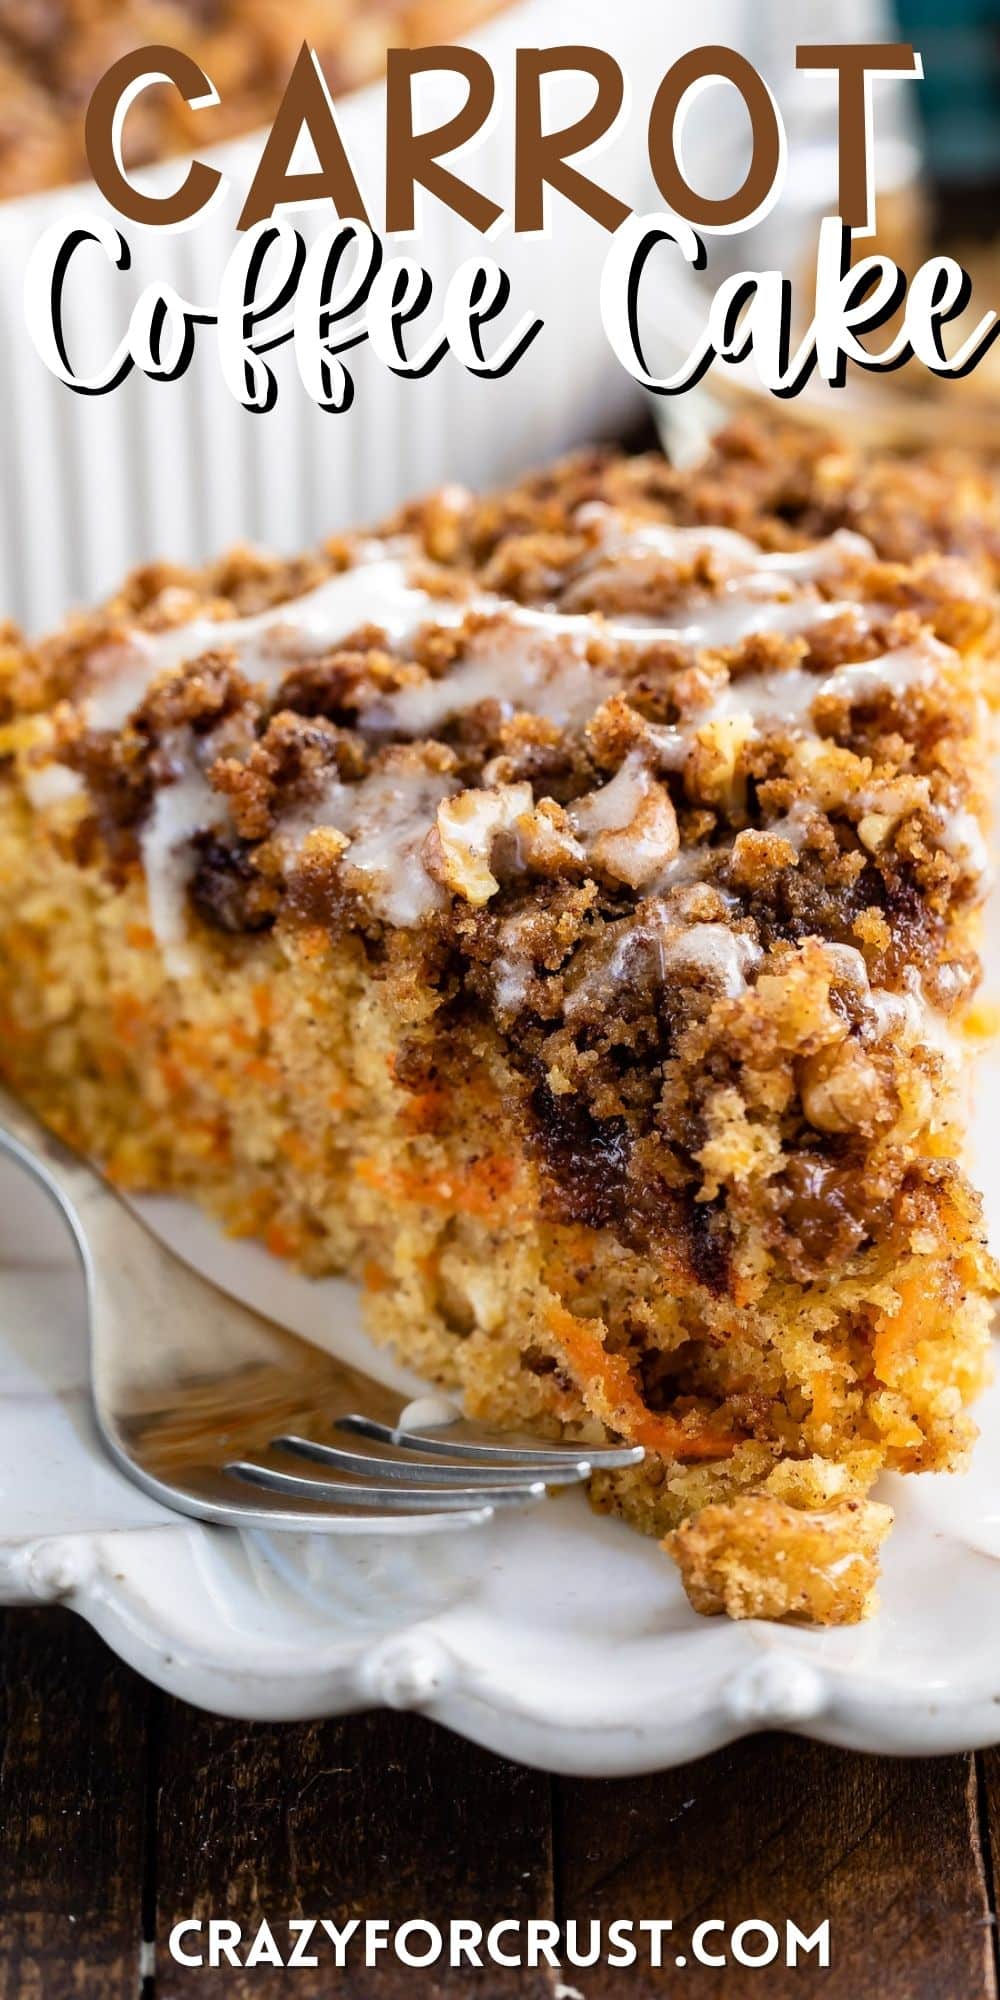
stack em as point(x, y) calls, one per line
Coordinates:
point(561, 911)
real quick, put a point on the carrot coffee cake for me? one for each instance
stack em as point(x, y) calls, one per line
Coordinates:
point(54, 52)
point(560, 910)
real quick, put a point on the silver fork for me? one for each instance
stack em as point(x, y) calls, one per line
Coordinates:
point(220, 1413)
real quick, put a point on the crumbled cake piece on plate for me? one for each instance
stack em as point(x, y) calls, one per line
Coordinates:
point(760, 1558)
point(561, 911)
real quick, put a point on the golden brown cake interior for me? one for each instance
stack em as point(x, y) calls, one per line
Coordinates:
point(560, 911)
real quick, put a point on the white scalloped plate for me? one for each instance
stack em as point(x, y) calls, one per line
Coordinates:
point(554, 1637)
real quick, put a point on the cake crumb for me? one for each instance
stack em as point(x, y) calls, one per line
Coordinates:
point(760, 1558)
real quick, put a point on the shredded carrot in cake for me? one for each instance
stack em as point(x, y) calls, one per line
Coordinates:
point(608, 1387)
point(486, 1187)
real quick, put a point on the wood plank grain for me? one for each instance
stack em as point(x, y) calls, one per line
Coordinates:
point(889, 1851)
point(72, 1812)
point(988, 1774)
point(374, 1816)
point(387, 1816)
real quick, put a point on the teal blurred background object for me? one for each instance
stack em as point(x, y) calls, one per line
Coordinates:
point(959, 98)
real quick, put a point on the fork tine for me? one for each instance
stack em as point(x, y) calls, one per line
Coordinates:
point(177, 1426)
point(537, 1457)
point(438, 1472)
point(385, 1499)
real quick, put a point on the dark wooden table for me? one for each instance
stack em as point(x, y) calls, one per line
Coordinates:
point(122, 1811)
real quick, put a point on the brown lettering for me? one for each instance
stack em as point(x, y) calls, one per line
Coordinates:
point(724, 210)
point(306, 104)
point(853, 63)
point(154, 64)
point(542, 156)
point(412, 158)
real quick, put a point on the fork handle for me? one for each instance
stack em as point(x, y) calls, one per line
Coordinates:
point(151, 1316)
point(65, 1170)
point(98, 1218)
point(184, 1377)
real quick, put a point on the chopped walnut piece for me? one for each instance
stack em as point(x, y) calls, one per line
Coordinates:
point(760, 1558)
point(711, 772)
point(548, 846)
point(874, 830)
point(841, 1089)
point(459, 847)
point(629, 827)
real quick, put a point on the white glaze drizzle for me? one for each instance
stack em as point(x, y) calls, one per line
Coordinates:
point(790, 694)
point(794, 826)
point(724, 958)
point(375, 591)
point(962, 837)
point(753, 589)
point(890, 1013)
point(187, 806)
point(48, 785)
point(615, 804)
point(387, 819)
point(513, 967)
point(529, 659)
